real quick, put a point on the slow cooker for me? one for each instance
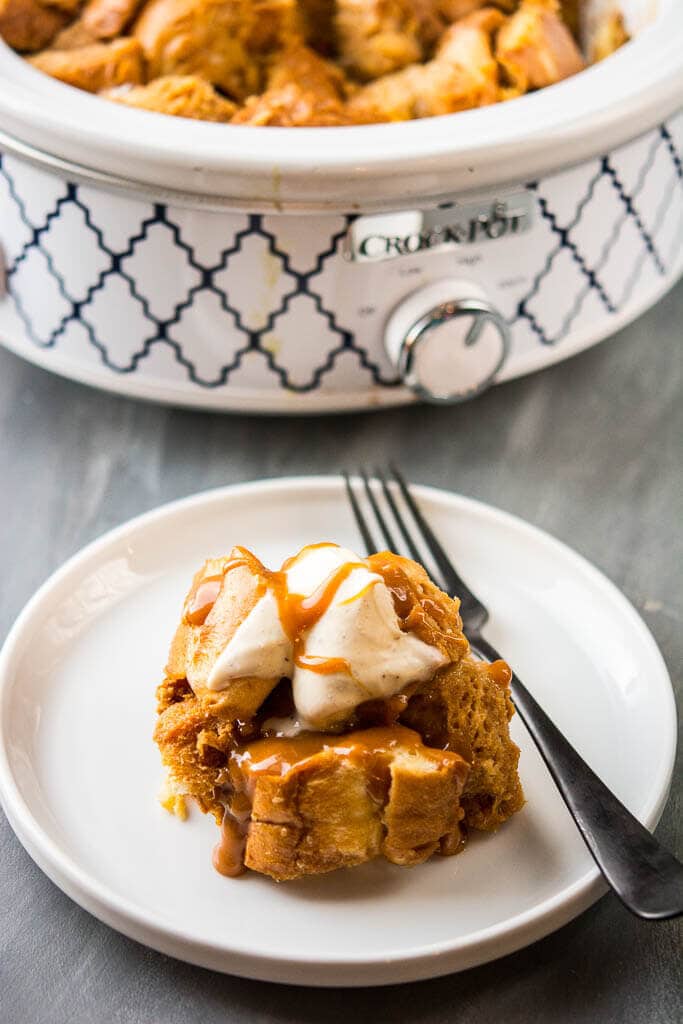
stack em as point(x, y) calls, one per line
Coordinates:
point(323, 269)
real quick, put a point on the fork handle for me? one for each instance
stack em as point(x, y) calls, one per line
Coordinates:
point(644, 875)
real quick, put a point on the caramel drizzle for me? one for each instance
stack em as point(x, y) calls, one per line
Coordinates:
point(324, 666)
point(371, 747)
point(419, 608)
point(205, 596)
point(203, 600)
point(501, 673)
point(277, 755)
point(228, 853)
point(361, 593)
point(298, 613)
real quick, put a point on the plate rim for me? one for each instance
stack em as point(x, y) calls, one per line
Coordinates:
point(423, 961)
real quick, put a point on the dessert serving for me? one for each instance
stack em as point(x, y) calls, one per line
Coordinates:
point(308, 62)
point(330, 713)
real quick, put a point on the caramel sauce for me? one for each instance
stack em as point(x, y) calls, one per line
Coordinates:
point(297, 612)
point(425, 615)
point(372, 749)
point(228, 853)
point(361, 593)
point(289, 562)
point(324, 666)
point(203, 600)
point(399, 588)
point(277, 755)
point(500, 673)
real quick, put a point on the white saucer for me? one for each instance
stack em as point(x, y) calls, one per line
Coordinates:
point(79, 773)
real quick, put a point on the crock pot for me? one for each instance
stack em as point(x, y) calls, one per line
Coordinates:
point(273, 269)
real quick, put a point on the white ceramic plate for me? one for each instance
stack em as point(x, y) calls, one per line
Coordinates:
point(79, 772)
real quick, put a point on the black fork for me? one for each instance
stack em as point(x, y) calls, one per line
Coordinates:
point(644, 875)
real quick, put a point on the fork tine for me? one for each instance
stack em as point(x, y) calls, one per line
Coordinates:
point(405, 533)
point(370, 546)
point(381, 521)
point(454, 584)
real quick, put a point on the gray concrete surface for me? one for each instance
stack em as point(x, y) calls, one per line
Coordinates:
point(589, 450)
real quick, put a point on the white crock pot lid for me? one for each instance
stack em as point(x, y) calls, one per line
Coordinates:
point(370, 167)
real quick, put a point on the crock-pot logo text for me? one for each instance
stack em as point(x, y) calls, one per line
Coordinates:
point(496, 223)
point(387, 236)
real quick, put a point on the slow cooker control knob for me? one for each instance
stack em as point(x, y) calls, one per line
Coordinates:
point(447, 341)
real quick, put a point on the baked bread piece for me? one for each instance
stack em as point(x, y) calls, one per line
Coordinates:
point(98, 21)
point(303, 89)
point(407, 777)
point(536, 48)
point(463, 74)
point(322, 803)
point(179, 95)
point(608, 35)
point(467, 708)
point(197, 37)
point(30, 25)
point(376, 37)
point(222, 594)
point(95, 67)
point(571, 15)
point(300, 63)
point(222, 41)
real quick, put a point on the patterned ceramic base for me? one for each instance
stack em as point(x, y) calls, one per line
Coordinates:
point(265, 312)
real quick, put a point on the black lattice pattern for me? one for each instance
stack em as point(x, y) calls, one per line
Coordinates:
point(113, 264)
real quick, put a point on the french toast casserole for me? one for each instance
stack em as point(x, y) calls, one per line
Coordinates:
point(309, 62)
point(331, 712)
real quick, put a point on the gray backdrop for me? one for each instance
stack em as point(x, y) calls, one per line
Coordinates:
point(589, 450)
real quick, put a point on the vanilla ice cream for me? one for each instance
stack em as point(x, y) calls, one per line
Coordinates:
point(341, 645)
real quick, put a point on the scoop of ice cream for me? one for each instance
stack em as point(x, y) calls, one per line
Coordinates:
point(328, 623)
point(259, 647)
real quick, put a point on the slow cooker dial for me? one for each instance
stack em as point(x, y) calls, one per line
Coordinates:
point(447, 341)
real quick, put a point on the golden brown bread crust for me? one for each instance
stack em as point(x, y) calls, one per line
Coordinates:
point(30, 25)
point(179, 95)
point(222, 41)
point(536, 48)
point(325, 812)
point(463, 74)
point(105, 19)
point(467, 708)
point(195, 743)
point(421, 606)
point(316, 818)
point(376, 37)
point(74, 37)
point(273, 26)
point(303, 90)
point(195, 648)
point(197, 37)
point(99, 20)
point(393, 60)
point(609, 34)
point(95, 67)
point(329, 811)
point(291, 106)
